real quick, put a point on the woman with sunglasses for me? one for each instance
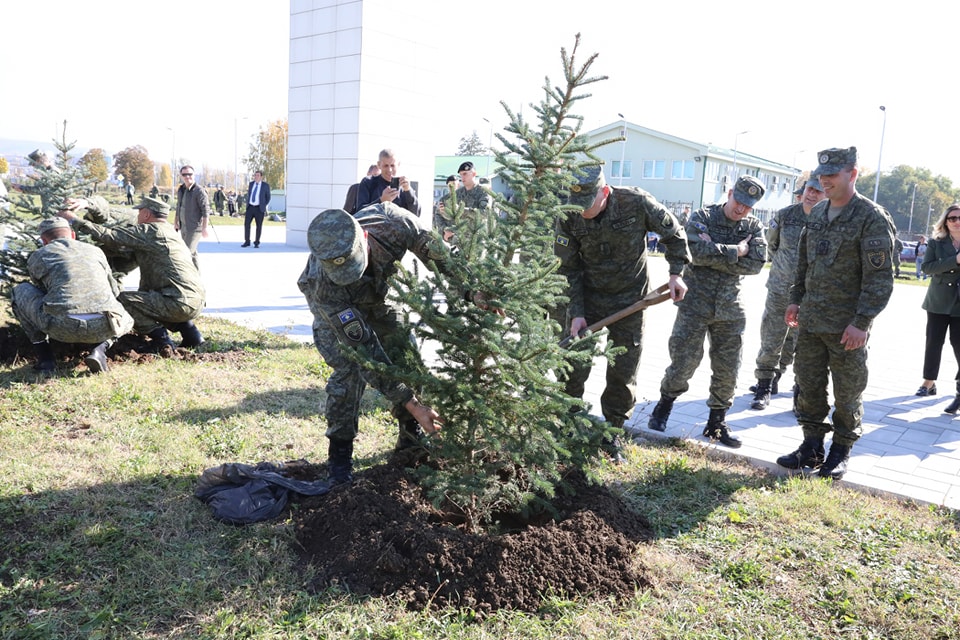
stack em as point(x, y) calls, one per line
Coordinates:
point(942, 304)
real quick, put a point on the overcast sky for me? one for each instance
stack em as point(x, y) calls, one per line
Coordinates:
point(798, 77)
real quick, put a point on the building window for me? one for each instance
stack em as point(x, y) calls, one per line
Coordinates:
point(615, 170)
point(653, 169)
point(682, 170)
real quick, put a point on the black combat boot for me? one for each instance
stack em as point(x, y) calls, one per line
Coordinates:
point(96, 361)
point(45, 361)
point(809, 454)
point(613, 445)
point(954, 406)
point(761, 395)
point(836, 463)
point(774, 384)
point(658, 419)
point(161, 339)
point(411, 435)
point(717, 429)
point(340, 462)
point(189, 334)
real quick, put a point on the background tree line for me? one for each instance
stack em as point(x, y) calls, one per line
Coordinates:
point(909, 189)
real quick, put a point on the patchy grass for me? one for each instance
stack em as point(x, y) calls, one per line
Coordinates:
point(100, 536)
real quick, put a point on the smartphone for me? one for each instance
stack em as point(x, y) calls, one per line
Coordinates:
point(395, 183)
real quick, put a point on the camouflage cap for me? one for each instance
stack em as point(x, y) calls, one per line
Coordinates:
point(336, 238)
point(49, 224)
point(584, 191)
point(813, 182)
point(833, 160)
point(748, 191)
point(160, 208)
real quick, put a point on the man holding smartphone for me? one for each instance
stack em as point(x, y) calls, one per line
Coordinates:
point(387, 187)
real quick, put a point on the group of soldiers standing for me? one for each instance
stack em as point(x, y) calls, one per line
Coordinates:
point(832, 274)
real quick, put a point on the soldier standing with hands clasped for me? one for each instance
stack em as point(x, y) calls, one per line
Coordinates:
point(726, 243)
point(602, 251)
point(844, 280)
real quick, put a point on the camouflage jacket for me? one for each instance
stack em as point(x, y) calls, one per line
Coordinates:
point(474, 201)
point(165, 262)
point(75, 277)
point(844, 267)
point(391, 232)
point(783, 239)
point(713, 278)
point(608, 254)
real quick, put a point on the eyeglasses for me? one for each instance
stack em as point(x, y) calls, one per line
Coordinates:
point(187, 175)
point(953, 218)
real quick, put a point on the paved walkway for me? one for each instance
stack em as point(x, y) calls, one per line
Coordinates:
point(909, 447)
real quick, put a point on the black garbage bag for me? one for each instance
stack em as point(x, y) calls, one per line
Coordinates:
point(241, 493)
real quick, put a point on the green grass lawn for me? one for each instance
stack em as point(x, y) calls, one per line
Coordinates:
point(100, 536)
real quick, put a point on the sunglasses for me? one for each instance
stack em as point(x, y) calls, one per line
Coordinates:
point(953, 218)
point(186, 175)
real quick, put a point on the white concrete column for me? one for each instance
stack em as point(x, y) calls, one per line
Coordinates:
point(363, 77)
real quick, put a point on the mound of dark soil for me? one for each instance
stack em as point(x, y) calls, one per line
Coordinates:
point(380, 537)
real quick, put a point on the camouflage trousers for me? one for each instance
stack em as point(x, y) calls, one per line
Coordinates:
point(686, 353)
point(778, 342)
point(820, 355)
point(28, 307)
point(620, 393)
point(346, 384)
point(152, 309)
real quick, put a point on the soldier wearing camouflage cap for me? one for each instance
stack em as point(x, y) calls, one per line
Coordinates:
point(171, 293)
point(778, 341)
point(603, 254)
point(72, 297)
point(472, 209)
point(726, 243)
point(844, 279)
point(345, 284)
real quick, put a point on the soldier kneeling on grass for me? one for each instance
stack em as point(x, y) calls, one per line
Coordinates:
point(72, 298)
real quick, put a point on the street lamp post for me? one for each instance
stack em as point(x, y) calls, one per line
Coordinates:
point(235, 153)
point(876, 185)
point(913, 199)
point(736, 144)
point(929, 211)
point(173, 161)
point(623, 146)
point(489, 146)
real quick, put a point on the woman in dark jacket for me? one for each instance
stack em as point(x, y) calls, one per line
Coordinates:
point(942, 304)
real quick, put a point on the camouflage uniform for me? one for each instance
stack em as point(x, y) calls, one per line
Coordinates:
point(778, 342)
point(74, 298)
point(122, 261)
point(170, 288)
point(844, 276)
point(357, 316)
point(192, 207)
point(605, 262)
point(712, 305)
point(474, 201)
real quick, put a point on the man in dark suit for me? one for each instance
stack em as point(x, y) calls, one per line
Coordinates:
point(258, 197)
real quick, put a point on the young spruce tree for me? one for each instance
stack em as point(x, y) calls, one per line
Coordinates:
point(53, 181)
point(510, 432)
